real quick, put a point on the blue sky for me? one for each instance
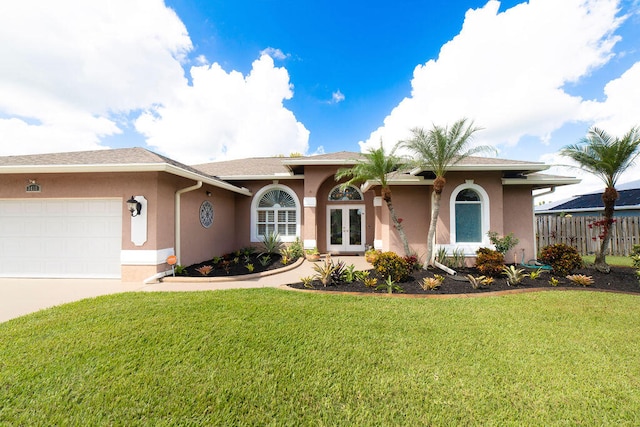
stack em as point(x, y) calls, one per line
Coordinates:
point(214, 79)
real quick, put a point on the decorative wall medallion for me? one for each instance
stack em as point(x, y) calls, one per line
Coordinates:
point(206, 214)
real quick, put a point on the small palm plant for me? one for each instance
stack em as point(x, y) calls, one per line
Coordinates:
point(580, 279)
point(204, 270)
point(514, 275)
point(390, 286)
point(479, 282)
point(324, 271)
point(432, 283)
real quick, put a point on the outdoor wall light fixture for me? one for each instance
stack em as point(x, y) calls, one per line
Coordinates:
point(134, 206)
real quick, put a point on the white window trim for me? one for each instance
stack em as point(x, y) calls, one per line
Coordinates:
point(254, 211)
point(469, 248)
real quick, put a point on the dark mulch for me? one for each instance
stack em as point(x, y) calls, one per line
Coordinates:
point(619, 279)
point(232, 265)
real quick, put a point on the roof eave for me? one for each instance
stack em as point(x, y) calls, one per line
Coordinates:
point(259, 177)
point(323, 162)
point(526, 169)
point(540, 182)
point(127, 167)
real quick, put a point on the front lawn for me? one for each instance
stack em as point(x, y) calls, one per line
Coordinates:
point(620, 261)
point(273, 357)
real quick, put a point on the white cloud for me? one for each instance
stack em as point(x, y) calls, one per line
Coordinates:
point(621, 110)
point(227, 116)
point(76, 72)
point(507, 71)
point(337, 97)
point(69, 65)
point(274, 53)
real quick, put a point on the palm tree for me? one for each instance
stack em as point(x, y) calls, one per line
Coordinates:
point(376, 165)
point(606, 157)
point(437, 150)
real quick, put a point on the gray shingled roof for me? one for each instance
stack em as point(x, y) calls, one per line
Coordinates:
point(103, 159)
point(257, 166)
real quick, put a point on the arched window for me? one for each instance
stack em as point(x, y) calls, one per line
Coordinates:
point(275, 208)
point(469, 219)
point(339, 194)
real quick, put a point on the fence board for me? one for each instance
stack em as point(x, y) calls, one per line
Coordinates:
point(575, 231)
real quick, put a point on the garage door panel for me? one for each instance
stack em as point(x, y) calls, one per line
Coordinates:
point(60, 238)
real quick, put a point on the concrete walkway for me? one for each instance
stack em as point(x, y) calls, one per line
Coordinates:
point(23, 296)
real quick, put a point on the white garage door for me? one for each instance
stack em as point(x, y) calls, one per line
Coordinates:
point(60, 238)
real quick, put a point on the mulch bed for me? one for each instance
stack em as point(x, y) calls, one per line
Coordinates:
point(230, 267)
point(622, 279)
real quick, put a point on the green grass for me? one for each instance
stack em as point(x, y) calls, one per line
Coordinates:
point(272, 357)
point(620, 261)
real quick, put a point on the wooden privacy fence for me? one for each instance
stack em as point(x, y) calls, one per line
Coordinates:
point(575, 231)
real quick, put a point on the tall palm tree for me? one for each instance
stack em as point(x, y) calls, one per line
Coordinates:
point(606, 157)
point(376, 165)
point(437, 150)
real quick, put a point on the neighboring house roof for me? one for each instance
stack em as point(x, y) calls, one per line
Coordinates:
point(116, 160)
point(628, 199)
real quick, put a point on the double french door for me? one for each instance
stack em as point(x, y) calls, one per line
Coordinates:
point(345, 228)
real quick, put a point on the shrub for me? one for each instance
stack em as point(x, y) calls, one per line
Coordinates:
point(504, 243)
point(554, 282)
point(371, 255)
point(564, 259)
point(635, 256)
point(413, 262)
point(295, 249)
point(489, 262)
point(390, 264)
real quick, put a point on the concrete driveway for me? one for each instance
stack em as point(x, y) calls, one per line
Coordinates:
point(23, 296)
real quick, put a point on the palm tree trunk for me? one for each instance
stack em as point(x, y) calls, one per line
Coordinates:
point(609, 197)
point(600, 261)
point(398, 226)
point(435, 211)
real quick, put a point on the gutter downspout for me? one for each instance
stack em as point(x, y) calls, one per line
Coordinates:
point(177, 216)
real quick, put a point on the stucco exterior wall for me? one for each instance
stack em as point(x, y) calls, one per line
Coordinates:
point(199, 243)
point(412, 205)
point(519, 219)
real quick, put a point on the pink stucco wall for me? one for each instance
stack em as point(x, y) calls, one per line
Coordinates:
point(200, 243)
